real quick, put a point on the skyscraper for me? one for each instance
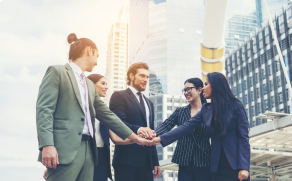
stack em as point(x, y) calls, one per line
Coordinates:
point(254, 72)
point(117, 58)
point(243, 17)
point(117, 54)
point(275, 6)
point(166, 34)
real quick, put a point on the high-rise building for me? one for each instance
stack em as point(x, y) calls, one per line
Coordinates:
point(243, 17)
point(275, 6)
point(117, 54)
point(166, 35)
point(254, 72)
point(117, 58)
point(165, 105)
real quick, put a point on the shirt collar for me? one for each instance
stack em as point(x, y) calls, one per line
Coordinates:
point(135, 91)
point(75, 68)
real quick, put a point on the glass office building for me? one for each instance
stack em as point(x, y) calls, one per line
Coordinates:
point(166, 34)
point(275, 6)
point(243, 17)
point(254, 73)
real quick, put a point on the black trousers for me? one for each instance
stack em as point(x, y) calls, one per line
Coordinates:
point(225, 172)
point(101, 172)
point(193, 173)
point(130, 173)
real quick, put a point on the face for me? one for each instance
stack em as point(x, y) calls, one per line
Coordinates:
point(207, 90)
point(140, 80)
point(193, 94)
point(92, 56)
point(101, 87)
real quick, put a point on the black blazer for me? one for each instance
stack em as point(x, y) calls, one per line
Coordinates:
point(104, 131)
point(126, 106)
point(235, 143)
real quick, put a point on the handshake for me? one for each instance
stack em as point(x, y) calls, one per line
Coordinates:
point(147, 137)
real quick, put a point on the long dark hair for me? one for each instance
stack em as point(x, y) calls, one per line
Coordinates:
point(77, 46)
point(197, 83)
point(95, 77)
point(222, 97)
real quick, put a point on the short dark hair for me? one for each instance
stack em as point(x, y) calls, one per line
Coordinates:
point(77, 46)
point(95, 77)
point(133, 69)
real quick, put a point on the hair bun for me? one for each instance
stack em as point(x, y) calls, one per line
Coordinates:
point(71, 38)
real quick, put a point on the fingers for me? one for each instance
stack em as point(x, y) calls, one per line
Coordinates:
point(45, 174)
point(49, 162)
point(57, 159)
point(155, 172)
point(147, 132)
point(54, 163)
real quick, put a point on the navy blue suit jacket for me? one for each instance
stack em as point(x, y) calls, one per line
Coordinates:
point(104, 131)
point(126, 106)
point(235, 143)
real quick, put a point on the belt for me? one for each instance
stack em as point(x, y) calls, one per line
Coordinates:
point(86, 137)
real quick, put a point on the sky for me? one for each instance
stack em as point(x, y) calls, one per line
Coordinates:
point(33, 36)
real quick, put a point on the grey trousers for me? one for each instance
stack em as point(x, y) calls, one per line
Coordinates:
point(81, 169)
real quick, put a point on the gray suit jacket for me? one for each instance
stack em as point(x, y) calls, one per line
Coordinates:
point(60, 117)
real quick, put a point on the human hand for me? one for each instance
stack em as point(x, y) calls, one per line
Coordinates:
point(50, 157)
point(147, 132)
point(45, 174)
point(156, 139)
point(143, 141)
point(156, 171)
point(243, 174)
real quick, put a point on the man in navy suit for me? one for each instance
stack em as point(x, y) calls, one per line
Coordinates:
point(134, 162)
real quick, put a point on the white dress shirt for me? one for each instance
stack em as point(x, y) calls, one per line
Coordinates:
point(98, 139)
point(145, 103)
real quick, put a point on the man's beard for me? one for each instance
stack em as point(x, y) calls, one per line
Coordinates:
point(137, 86)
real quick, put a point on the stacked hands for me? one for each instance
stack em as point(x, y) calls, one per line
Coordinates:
point(148, 137)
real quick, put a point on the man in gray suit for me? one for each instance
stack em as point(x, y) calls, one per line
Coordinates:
point(66, 109)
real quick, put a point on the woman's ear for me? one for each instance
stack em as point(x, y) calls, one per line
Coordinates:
point(200, 89)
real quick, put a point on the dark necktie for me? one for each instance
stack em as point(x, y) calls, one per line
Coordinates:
point(142, 104)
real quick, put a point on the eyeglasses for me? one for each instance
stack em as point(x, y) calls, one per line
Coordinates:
point(187, 90)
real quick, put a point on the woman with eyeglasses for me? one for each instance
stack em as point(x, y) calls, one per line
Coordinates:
point(226, 120)
point(192, 152)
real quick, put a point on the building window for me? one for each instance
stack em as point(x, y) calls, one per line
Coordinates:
point(257, 78)
point(170, 174)
point(275, 50)
point(273, 101)
point(245, 85)
point(270, 70)
point(159, 100)
point(170, 148)
point(169, 100)
point(266, 105)
point(265, 89)
point(249, 67)
point(269, 54)
point(271, 85)
point(259, 108)
point(255, 63)
point(253, 111)
point(159, 108)
point(240, 88)
point(278, 81)
point(247, 112)
point(251, 95)
point(263, 73)
point(258, 92)
point(246, 99)
point(280, 98)
point(262, 59)
point(176, 100)
point(277, 65)
point(287, 94)
point(284, 44)
point(169, 108)
point(250, 81)
point(244, 71)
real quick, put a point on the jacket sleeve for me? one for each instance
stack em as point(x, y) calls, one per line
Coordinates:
point(46, 105)
point(168, 124)
point(118, 106)
point(243, 138)
point(110, 119)
point(182, 130)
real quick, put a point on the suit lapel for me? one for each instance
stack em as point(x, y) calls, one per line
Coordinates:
point(74, 84)
point(135, 99)
point(90, 97)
